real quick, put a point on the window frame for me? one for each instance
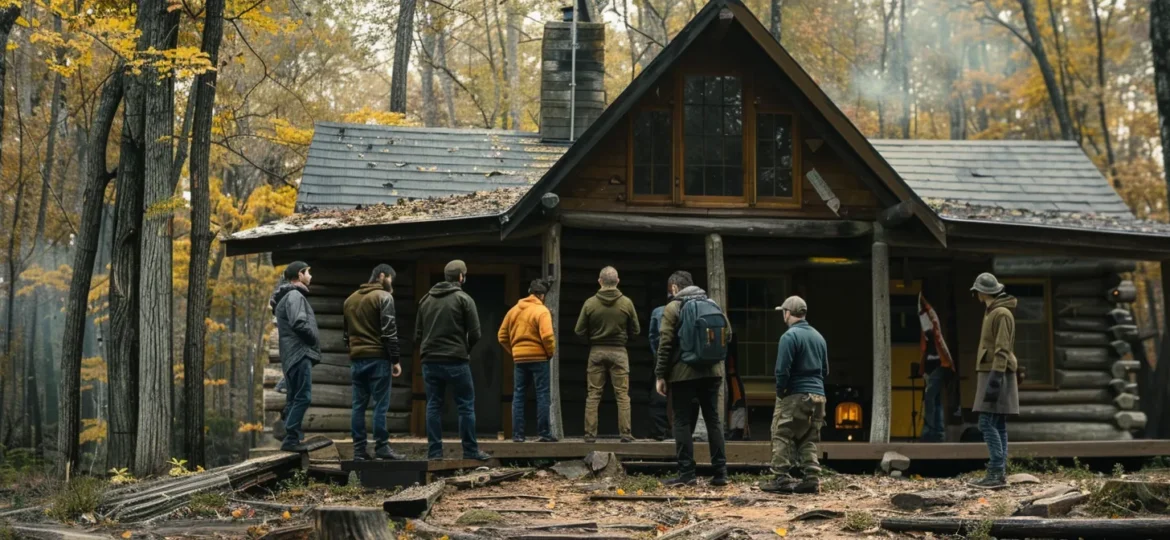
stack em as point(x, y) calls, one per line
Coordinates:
point(751, 108)
point(1046, 283)
point(788, 280)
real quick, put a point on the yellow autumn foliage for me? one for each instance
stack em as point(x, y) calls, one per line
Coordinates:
point(93, 430)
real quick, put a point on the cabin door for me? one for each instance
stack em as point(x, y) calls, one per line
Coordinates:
point(494, 289)
point(906, 379)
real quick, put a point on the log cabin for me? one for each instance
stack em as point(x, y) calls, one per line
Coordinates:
point(724, 158)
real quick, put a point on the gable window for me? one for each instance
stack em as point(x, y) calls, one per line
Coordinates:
point(652, 157)
point(774, 155)
point(713, 136)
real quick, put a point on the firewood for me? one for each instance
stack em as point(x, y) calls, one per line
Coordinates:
point(414, 502)
point(1048, 494)
point(919, 500)
point(1052, 506)
point(1033, 527)
point(346, 522)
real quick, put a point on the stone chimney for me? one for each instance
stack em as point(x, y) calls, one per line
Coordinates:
point(556, 76)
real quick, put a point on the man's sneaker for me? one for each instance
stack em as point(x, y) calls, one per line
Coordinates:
point(680, 481)
point(518, 439)
point(720, 479)
point(627, 439)
point(479, 455)
point(590, 440)
point(810, 484)
point(547, 439)
point(286, 447)
point(993, 480)
point(780, 484)
point(362, 456)
point(389, 454)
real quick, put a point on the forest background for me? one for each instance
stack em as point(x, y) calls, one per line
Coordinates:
point(136, 134)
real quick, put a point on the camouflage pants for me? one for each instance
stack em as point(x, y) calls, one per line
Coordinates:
point(796, 430)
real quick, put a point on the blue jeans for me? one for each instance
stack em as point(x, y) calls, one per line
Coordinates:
point(933, 419)
point(300, 386)
point(370, 377)
point(437, 377)
point(994, 428)
point(537, 372)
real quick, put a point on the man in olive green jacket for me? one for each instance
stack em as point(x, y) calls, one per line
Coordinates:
point(689, 384)
point(607, 320)
point(997, 392)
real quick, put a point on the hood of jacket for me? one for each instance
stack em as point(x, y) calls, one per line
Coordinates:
point(443, 288)
point(608, 296)
point(281, 291)
point(692, 292)
point(1003, 301)
point(368, 288)
point(528, 302)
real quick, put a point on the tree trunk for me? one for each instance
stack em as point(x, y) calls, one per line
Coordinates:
point(777, 18)
point(1159, 425)
point(426, 69)
point(1036, 44)
point(445, 79)
point(193, 345)
point(402, 43)
point(7, 20)
point(515, 104)
point(904, 68)
point(96, 177)
point(1110, 159)
point(153, 443)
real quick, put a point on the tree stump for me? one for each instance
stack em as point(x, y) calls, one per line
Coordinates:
point(346, 522)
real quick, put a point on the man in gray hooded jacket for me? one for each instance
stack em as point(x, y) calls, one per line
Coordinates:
point(300, 350)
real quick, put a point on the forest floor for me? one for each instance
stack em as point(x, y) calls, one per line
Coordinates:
point(854, 505)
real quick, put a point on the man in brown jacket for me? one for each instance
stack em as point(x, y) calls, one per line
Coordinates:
point(607, 320)
point(998, 392)
point(371, 332)
point(527, 335)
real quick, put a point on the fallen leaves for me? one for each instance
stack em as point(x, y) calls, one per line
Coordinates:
point(237, 513)
point(127, 534)
point(781, 532)
point(285, 515)
point(621, 491)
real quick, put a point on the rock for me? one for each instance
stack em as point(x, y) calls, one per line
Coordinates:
point(572, 470)
point(1022, 478)
point(895, 474)
point(604, 464)
point(894, 461)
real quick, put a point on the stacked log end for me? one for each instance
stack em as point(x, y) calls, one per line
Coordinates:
point(332, 395)
point(1093, 394)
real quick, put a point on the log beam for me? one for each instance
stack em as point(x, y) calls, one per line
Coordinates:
point(773, 228)
point(896, 215)
point(717, 292)
point(345, 522)
point(879, 431)
point(551, 270)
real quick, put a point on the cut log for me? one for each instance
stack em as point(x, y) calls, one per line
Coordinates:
point(1067, 413)
point(1122, 368)
point(1124, 332)
point(1076, 358)
point(1080, 339)
point(1083, 307)
point(1130, 419)
point(1124, 293)
point(1070, 379)
point(319, 419)
point(414, 502)
point(489, 478)
point(1048, 494)
point(1137, 495)
point(338, 396)
point(1121, 348)
point(919, 500)
point(1127, 402)
point(1064, 397)
point(347, 522)
point(1082, 324)
point(1118, 386)
point(1121, 316)
point(1033, 527)
point(1052, 506)
point(1032, 266)
point(1066, 431)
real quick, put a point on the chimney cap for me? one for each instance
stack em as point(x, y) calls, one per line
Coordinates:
point(567, 14)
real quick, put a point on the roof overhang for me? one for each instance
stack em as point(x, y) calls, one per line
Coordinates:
point(998, 236)
point(400, 231)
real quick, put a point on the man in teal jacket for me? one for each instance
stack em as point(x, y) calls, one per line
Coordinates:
point(802, 363)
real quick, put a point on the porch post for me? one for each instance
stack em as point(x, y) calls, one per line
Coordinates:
point(717, 291)
point(879, 428)
point(551, 270)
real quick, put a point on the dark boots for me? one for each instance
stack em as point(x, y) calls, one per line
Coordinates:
point(994, 479)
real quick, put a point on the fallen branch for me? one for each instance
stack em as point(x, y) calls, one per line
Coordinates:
point(279, 507)
point(505, 497)
point(1034, 528)
point(422, 529)
point(518, 511)
point(654, 498)
point(489, 478)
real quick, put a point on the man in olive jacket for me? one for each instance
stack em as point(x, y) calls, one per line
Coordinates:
point(689, 384)
point(607, 320)
point(371, 333)
point(300, 348)
point(447, 326)
point(997, 392)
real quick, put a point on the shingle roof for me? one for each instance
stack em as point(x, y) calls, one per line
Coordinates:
point(1033, 176)
point(351, 165)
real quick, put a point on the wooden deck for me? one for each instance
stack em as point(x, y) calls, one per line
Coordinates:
point(760, 451)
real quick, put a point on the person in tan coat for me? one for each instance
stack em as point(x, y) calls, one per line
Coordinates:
point(527, 335)
point(998, 390)
point(608, 320)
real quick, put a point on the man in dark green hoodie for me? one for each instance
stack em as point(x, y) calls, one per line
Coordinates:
point(446, 328)
point(607, 320)
point(371, 333)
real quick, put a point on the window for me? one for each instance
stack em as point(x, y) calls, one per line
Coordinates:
point(774, 156)
point(1033, 331)
point(652, 153)
point(713, 136)
point(758, 326)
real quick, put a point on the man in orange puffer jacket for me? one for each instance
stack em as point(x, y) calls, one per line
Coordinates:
point(527, 335)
